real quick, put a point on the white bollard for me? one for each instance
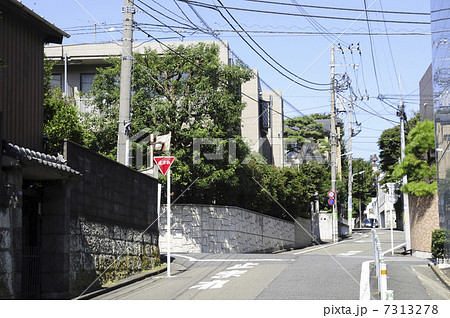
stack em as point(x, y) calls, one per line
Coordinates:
point(383, 282)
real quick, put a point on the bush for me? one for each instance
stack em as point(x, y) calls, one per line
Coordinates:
point(438, 239)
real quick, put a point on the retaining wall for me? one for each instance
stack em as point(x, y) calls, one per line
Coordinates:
point(224, 229)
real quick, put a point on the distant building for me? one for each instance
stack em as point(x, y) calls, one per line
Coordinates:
point(262, 118)
point(426, 95)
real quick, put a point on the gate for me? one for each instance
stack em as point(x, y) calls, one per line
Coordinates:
point(31, 272)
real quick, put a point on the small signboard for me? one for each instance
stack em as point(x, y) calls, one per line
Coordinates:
point(330, 201)
point(164, 163)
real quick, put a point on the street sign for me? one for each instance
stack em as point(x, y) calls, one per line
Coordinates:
point(164, 163)
point(331, 194)
point(330, 201)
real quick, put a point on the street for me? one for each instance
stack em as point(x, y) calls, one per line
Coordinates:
point(332, 271)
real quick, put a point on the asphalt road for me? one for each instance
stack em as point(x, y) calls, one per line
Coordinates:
point(333, 271)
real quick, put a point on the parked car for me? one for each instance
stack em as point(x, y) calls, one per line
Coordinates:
point(370, 223)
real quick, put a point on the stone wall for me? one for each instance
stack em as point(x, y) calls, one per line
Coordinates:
point(10, 234)
point(113, 250)
point(113, 220)
point(224, 229)
point(424, 219)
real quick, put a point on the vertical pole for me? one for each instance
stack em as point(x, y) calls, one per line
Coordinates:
point(392, 230)
point(405, 178)
point(360, 215)
point(158, 204)
point(66, 86)
point(152, 150)
point(350, 158)
point(125, 80)
point(333, 146)
point(168, 223)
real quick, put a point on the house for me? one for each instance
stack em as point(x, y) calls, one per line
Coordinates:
point(62, 218)
point(262, 118)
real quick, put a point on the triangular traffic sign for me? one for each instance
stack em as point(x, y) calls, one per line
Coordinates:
point(164, 163)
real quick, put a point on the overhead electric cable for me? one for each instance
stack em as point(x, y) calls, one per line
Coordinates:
point(337, 8)
point(215, 7)
point(262, 49)
point(371, 48)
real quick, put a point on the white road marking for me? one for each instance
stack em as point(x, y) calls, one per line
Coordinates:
point(215, 284)
point(243, 266)
point(228, 274)
point(192, 259)
point(328, 245)
point(364, 283)
point(350, 253)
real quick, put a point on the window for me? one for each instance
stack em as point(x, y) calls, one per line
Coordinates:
point(56, 80)
point(86, 82)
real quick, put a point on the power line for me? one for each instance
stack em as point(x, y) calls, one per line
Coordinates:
point(310, 82)
point(200, 68)
point(337, 8)
point(215, 7)
point(239, 59)
point(371, 47)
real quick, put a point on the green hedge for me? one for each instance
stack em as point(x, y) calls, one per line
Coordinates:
point(438, 239)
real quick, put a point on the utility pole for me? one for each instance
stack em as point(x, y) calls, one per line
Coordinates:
point(350, 181)
point(123, 140)
point(407, 229)
point(333, 135)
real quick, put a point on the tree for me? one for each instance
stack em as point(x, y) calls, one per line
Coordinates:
point(363, 186)
point(309, 136)
point(389, 144)
point(418, 163)
point(185, 91)
point(61, 117)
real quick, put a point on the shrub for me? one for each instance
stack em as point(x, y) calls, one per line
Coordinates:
point(438, 238)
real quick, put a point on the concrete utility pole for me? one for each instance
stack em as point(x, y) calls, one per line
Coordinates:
point(407, 229)
point(123, 140)
point(350, 158)
point(333, 136)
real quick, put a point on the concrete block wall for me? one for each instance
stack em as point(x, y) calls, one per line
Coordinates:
point(224, 229)
point(113, 220)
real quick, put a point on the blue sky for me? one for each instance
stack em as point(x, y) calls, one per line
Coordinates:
point(400, 56)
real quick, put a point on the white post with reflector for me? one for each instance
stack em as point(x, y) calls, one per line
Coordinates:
point(383, 281)
point(164, 164)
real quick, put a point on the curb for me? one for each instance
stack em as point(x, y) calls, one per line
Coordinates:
point(125, 282)
point(444, 279)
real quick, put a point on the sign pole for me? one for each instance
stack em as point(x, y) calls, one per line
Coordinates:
point(164, 164)
point(392, 230)
point(168, 223)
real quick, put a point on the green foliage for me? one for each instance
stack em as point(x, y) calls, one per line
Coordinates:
point(418, 164)
point(306, 131)
point(62, 120)
point(61, 117)
point(389, 144)
point(282, 192)
point(364, 185)
point(438, 239)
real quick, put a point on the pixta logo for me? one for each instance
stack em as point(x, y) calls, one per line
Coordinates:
point(293, 152)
